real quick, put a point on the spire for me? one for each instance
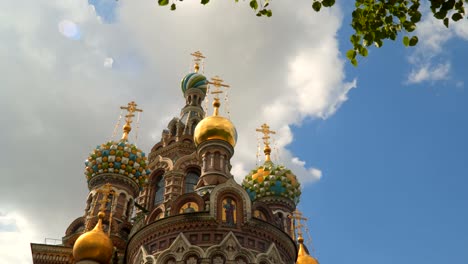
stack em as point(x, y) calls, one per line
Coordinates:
point(303, 256)
point(217, 83)
point(197, 60)
point(297, 225)
point(265, 129)
point(95, 245)
point(131, 109)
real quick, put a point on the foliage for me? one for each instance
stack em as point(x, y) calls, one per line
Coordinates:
point(375, 21)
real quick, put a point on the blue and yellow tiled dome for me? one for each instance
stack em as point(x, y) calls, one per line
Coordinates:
point(121, 158)
point(272, 180)
point(194, 80)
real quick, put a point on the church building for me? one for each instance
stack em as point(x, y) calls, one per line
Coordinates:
point(180, 203)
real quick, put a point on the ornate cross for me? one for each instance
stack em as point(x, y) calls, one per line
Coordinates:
point(131, 109)
point(298, 217)
point(265, 129)
point(218, 83)
point(106, 191)
point(197, 58)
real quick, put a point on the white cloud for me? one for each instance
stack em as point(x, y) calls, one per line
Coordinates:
point(433, 37)
point(14, 242)
point(316, 173)
point(60, 101)
point(430, 73)
point(108, 62)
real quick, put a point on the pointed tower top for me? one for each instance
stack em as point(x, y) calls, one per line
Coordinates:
point(95, 245)
point(197, 60)
point(217, 82)
point(303, 256)
point(265, 130)
point(131, 109)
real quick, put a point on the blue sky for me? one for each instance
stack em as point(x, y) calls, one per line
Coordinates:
point(395, 160)
point(381, 148)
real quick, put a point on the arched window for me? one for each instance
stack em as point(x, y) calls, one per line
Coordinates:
point(129, 209)
point(174, 130)
point(159, 190)
point(191, 180)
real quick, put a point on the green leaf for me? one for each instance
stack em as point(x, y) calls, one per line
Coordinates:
point(328, 3)
point(316, 6)
point(378, 43)
point(406, 41)
point(254, 4)
point(446, 22)
point(163, 2)
point(351, 54)
point(413, 41)
point(173, 7)
point(364, 52)
point(204, 2)
point(441, 14)
point(354, 62)
point(457, 16)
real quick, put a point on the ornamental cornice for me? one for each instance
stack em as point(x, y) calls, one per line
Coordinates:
point(44, 248)
point(115, 179)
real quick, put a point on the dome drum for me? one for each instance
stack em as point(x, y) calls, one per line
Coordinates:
point(117, 180)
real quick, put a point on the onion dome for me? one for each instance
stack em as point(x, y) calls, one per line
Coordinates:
point(215, 127)
point(94, 245)
point(194, 80)
point(121, 158)
point(302, 256)
point(270, 179)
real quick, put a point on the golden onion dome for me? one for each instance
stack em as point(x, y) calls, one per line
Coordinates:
point(94, 245)
point(215, 127)
point(302, 256)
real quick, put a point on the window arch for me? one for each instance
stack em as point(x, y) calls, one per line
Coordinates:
point(191, 180)
point(159, 190)
point(129, 209)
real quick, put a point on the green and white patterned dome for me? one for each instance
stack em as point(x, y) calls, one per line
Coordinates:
point(194, 80)
point(272, 180)
point(121, 158)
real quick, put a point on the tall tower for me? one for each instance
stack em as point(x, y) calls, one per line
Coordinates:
point(303, 255)
point(215, 137)
point(115, 170)
point(273, 188)
point(194, 210)
point(174, 165)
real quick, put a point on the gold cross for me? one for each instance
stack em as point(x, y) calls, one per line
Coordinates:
point(131, 109)
point(265, 129)
point(218, 83)
point(197, 58)
point(298, 217)
point(106, 191)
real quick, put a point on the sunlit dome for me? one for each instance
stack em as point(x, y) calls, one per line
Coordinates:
point(269, 179)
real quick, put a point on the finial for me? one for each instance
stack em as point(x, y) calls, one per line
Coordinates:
point(218, 83)
point(298, 217)
point(106, 191)
point(131, 109)
point(265, 129)
point(197, 58)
